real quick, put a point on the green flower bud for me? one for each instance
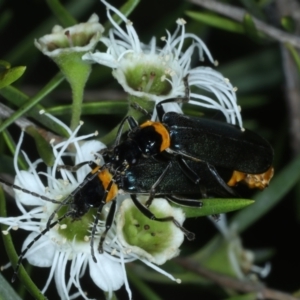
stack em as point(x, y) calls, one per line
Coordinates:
point(156, 241)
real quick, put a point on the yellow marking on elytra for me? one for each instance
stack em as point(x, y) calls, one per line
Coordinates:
point(162, 130)
point(106, 177)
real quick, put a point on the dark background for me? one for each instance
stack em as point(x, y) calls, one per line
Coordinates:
point(255, 68)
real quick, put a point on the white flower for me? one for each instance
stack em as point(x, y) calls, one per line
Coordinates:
point(155, 241)
point(239, 261)
point(63, 243)
point(65, 46)
point(65, 248)
point(81, 38)
point(153, 73)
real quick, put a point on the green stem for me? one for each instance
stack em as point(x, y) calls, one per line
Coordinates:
point(13, 257)
point(77, 73)
point(63, 15)
point(143, 288)
point(109, 138)
point(53, 83)
point(77, 97)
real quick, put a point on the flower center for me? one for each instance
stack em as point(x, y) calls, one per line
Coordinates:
point(152, 236)
point(148, 78)
point(76, 229)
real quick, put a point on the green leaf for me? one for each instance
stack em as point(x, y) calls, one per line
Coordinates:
point(255, 72)
point(61, 13)
point(142, 287)
point(251, 30)
point(12, 147)
point(6, 291)
point(216, 21)
point(6, 165)
point(4, 64)
point(15, 96)
point(295, 55)
point(93, 108)
point(215, 206)
point(9, 76)
point(125, 9)
point(43, 147)
point(18, 98)
point(5, 17)
point(148, 274)
point(288, 24)
point(254, 8)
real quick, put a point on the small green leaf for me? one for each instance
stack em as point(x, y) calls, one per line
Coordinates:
point(5, 18)
point(6, 291)
point(216, 21)
point(288, 24)
point(9, 76)
point(93, 108)
point(142, 287)
point(250, 29)
point(215, 206)
point(43, 147)
point(294, 54)
point(61, 13)
point(10, 144)
point(27, 104)
point(18, 98)
point(4, 64)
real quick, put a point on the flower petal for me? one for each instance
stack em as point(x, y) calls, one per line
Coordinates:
point(106, 274)
point(101, 58)
point(41, 253)
point(29, 181)
point(157, 245)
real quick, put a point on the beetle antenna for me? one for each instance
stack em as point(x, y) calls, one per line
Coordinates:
point(23, 253)
point(140, 109)
point(11, 185)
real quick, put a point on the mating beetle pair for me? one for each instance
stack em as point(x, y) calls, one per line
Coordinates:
point(181, 158)
point(216, 144)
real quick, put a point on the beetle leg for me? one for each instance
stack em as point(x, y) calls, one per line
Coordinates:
point(132, 123)
point(213, 170)
point(181, 153)
point(216, 218)
point(159, 108)
point(108, 223)
point(185, 201)
point(142, 110)
point(23, 253)
point(14, 186)
point(188, 172)
point(157, 182)
point(144, 210)
point(91, 164)
point(203, 191)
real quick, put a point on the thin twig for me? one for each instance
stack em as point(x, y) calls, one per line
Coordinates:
point(232, 283)
point(238, 14)
point(6, 112)
point(291, 73)
point(23, 123)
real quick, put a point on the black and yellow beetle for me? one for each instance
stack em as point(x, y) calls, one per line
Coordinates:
point(218, 144)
